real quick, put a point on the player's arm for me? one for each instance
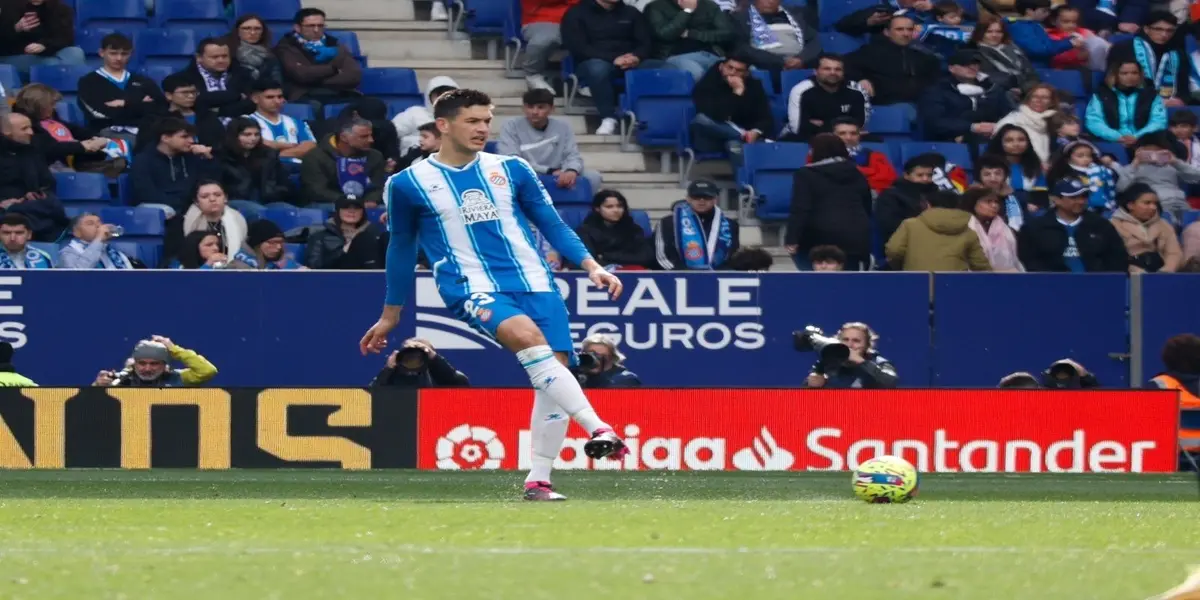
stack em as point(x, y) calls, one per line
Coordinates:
point(398, 272)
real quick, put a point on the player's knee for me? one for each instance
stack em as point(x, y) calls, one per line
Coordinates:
point(520, 333)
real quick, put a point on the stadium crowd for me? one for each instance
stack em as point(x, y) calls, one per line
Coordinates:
point(1073, 145)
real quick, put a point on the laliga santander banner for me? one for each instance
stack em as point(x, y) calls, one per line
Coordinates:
point(1009, 431)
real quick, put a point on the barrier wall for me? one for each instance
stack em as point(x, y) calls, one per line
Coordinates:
point(679, 330)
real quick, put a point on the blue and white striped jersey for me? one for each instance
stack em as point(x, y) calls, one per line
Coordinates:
point(473, 223)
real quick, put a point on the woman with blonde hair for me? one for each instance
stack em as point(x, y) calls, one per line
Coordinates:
point(67, 147)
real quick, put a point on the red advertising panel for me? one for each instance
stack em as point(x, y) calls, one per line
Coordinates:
point(818, 430)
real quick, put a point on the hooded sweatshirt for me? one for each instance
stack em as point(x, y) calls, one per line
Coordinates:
point(1165, 180)
point(160, 179)
point(939, 240)
point(1153, 236)
point(546, 150)
point(407, 122)
point(831, 204)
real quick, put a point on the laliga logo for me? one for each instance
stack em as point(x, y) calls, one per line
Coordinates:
point(468, 448)
point(764, 454)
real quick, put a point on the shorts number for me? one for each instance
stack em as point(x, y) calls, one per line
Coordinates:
point(478, 301)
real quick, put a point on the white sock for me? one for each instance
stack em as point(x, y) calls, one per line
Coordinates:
point(548, 428)
point(560, 386)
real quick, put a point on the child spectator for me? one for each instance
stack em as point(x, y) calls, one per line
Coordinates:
point(750, 259)
point(993, 172)
point(1182, 124)
point(827, 259)
point(250, 45)
point(1160, 61)
point(38, 32)
point(1080, 159)
point(1154, 164)
point(1003, 61)
point(937, 240)
point(1025, 168)
point(1149, 240)
point(948, 35)
point(1065, 128)
point(875, 166)
point(115, 101)
point(1063, 24)
point(1030, 35)
point(68, 147)
point(1124, 108)
point(611, 235)
point(430, 142)
point(995, 236)
point(250, 170)
point(906, 198)
point(1041, 102)
point(408, 122)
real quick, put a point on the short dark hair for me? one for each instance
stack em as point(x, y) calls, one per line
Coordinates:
point(537, 96)
point(175, 81)
point(973, 195)
point(942, 199)
point(1160, 16)
point(172, 126)
point(1183, 117)
point(203, 44)
point(437, 92)
point(932, 160)
point(1024, 6)
point(449, 105)
point(844, 121)
point(830, 56)
point(265, 85)
point(1130, 194)
point(201, 182)
point(1181, 353)
point(827, 253)
point(431, 127)
point(827, 145)
point(14, 219)
point(947, 7)
point(116, 41)
point(1154, 138)
point(305, 13)
point(750, 258)
point(991, 161)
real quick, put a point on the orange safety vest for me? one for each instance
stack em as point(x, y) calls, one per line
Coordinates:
point(1189, 438)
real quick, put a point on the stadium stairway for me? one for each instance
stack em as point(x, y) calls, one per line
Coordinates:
point(397, 33)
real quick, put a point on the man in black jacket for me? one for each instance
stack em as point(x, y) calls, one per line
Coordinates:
point(814, 103)
point(163, 174)
point(830, 205)
point(731, 108)
point(26, 184)
point(905, 199)
point(965, 106)
point(181, 104)
point(874, 19)
point(417, 365)
point(605, 38)
point(1070, 238)
point(224, 89)
point(113, 100)
point(889, 68)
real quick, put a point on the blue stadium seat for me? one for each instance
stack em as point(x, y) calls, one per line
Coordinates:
point(188, 13)
point(158, 72)
point(391, 83)
point(292, 218)
point(832, 11)
point(765, 78)
point(69, 112)
point(349, 39)
point(834, 42)
point(84, 187)
point(88, 39)
point(485, 17)
point(1067, 81)
point(789, 79)
point(297, 251)
point(269, 10)
point(1190, 217)
point(400, 105)
point(580, 194)
point(137, 221)
point(642, 218)
point(332, 110)
point(888, 150)
point(64, 78)
point(149, 252)
point(768, 171)
point(955, 153)
point(9, 79)
point(173, 47)
point(1114, 149)
point(127, 15)
point(658, 99)
point(890, 122)
point(1194, 109)
point(573, 216)
point(300, 111)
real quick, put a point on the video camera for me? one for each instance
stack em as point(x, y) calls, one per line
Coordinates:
point(832, 351)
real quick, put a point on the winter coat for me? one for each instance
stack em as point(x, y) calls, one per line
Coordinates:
point(898, 73)
point(60, 151)
point(999, 245)
point(268, 184)
point(24, 169)
point(715, 99)
point(232, 222)
point(233, 101)
point(897, 203)
point(831, 204)
point(948, 113)
point(1153, 236)
point(1032, 39)
point(301, 73)
point(938, 240)
point(326, 248)
point(1008, 66)
point(209, 130)
point(590, 31)
point(1043, 240)
point(622, 243)
point(708, 29)
point(407, 122)
point(55, 31)
point(1034, 124)
point(95, 91)
point(319, 176)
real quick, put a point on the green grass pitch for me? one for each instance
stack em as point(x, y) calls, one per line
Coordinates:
point(695, 536)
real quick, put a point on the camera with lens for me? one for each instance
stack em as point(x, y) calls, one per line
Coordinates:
point(1066, 374)
point(589, 362)
point(412, 356)
point(121, 377)
point(832, 351)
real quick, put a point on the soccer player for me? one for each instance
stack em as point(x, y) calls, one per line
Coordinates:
point(472, 212)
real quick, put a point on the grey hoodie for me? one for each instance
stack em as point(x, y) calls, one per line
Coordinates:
point(1164, 179)
point(413, 117)
point(549, 149)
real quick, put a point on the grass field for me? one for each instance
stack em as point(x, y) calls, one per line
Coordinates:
point(701, 536)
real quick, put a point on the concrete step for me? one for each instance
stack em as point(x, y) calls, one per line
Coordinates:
point(666, 180)
point(476, 80)
point(614, 162)
point(412, 45)
point(385, 24)
point(651, 198)
point(365, 9)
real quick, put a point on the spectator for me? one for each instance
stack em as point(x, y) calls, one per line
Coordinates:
point(292, 139)
point(995, 236)
point(223, 87)
point(541, 27)
point(348, 241)
point(201, 250)
point(1124, 108)
point(1191, 241)
point(250, 46)
point(90, 247)
point(62, 143)
point(1069, 238)
point(1025, 168)
point(1065, 128)
point(151, 367)
point(1182, 124)
point(1120, 16)
point(431, 142)
point(696, 235)
point(181, 96)
point(831, 204)
point(345, 166)
point(906, 198)
point(115, 101)
point(317, 69)
point(163, 174)
point(814, 103)
point(1002, 60)
point(383, 133)
point(210, 213)
point(1149, 240)
point(750, 259)
point(1154, 164)
point(250, 170)
point(827, 259)
point(610, 234)
point(546, 143)
point(1181, 363)
point(264, 250)
point(1030, 35)
point(1064, 21)
point(26, 184)
point(1078, 159)
point(875, 19)
point(940, 239)
point(875, 166)
point(691, 35)
point(865, 368)
point(965, 106)
point(1154, 52)
point(775, 38)
point(408, 122)
point(1040, 103)
point(889, 68)
point(606, 367)
point(38, 32)
point(732, 108)
point(15, 234)
point(993, 173)
point(947, 36)
point(417, 365)
point(606, 37)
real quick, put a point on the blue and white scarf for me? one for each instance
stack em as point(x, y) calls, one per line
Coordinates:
point(1103, 185)
point(954, 33)
point(1021, 183)
point(1160, 69)
point(1194, 58)
point(700, 249)
point(320, 52)
point(352, 176)
point(1108, 7)
point(251, 261)
point(1014, 213)
point(763, 37)
point(112, 259)
point(33, 259)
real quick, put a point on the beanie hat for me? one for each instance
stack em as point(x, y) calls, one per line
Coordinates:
point(261, 231)
point(148, 350)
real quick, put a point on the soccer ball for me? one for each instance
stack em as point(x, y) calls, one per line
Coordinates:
point(886, 480)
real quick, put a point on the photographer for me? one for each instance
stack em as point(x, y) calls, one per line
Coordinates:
point(601, 365)
point(150, 366)
point(1066, 374)
point(417, 365)
point(864, 368)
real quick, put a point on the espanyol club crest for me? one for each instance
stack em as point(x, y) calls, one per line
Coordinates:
point(693, 251)
point(356, 168)
point(497, 180)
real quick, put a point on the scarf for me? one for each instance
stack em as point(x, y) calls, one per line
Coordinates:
point(320, 51)
point(253, 57)
point(1021, 183)
point(33, 259)
point(1034, 124)
point(251, 261)
point(1004, 58)
point(999, 244)
point(352, 176)
point(961, 35)
point(1108, 7)
point(1194, 58)
point(212, 82)
point(1163, 73)
point(1100, 180)
point(1013, 213)
point(700, 249)
point(112, 258)
point(763, 37)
